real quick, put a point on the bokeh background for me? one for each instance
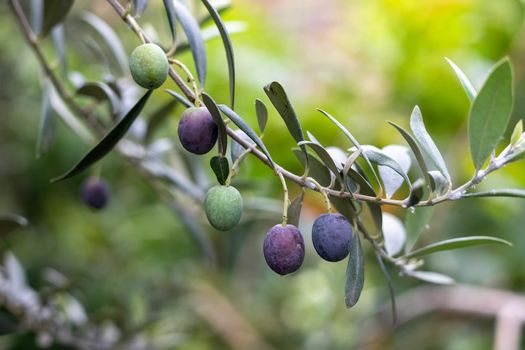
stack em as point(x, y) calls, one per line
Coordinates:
point(134, 263)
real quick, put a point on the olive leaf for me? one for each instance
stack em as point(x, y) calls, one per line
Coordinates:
point(324, 156)
point(392, 181)
point(455, 243)
point(221, 168)
point(217, 118)
point(416, 150)
point(262, 115)
point(101, 92)
point(294, 210)
point(509, 192)
point(426, 144)
point(490, 113)
point(214, 14)
point(416, 221)
point(54, 12)
point(172, 19)
point(180, 98)
point(352, 139)
point(108, 142)
point(379, 157)
point(465, 82)
point(355, 272)
point(394, 234)
point(282, 104)
point(139, 6)
point(196, 41)
point(241, 124)
point(431, 277)
point(109, 36)
point(390, 286)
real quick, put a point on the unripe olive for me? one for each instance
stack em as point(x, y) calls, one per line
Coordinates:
point(331, 236)
point(149, 66)
point(197, 130)
point(95, 193)
point(284, 249)
point(223, 206)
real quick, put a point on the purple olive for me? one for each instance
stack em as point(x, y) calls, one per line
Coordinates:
point(197, 130)
point(95, 193)
point(284, 249)
point(331, 236)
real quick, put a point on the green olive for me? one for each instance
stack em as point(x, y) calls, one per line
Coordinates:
point(223, 206)
point(149, 66)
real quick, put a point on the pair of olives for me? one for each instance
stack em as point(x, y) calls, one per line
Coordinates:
point(284, 245)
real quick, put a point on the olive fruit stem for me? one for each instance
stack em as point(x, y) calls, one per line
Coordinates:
point(191, 79)
point(235, 166)
point(323, 192)
point(286, 199)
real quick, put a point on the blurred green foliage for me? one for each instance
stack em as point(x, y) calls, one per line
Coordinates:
point(364, 62)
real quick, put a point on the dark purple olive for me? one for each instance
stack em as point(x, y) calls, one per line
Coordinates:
point(197, 130)
point(95, 193)
point(331, 235)
point(284, 249)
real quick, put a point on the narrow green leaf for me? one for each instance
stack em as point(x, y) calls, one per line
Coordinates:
point(355, 272)
point(490, 113)
point(438, 183)
point(139, 6)
point(101, 92)
point(172, 19)
point(217, 118)
point(236, 149)
point(54, 12)
point(180, 98)
point(426, 144)
point(465, 82)
point(294, 210)
point(241, 124)
point(158, 117)
point(59, 42)
point(354, 142)
point(455, 243)
point(111, 39)
point(228, 48)
point(262, 115)
point(324, 156)
point(282, 104)
point(394, 234)
point(516, 133)
point(318, 170)
point(191, 29)
point(10, 223)
point(379, 157)
point(416, 221)
point(366, 189)
point(416, 150)
point(46, 133)
point(431, 277)
point(509, 192)
point(392, 181)
point(221, 168)
point(212, 32)
point(37, 15)
point(108, 142)
point(390, 286)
